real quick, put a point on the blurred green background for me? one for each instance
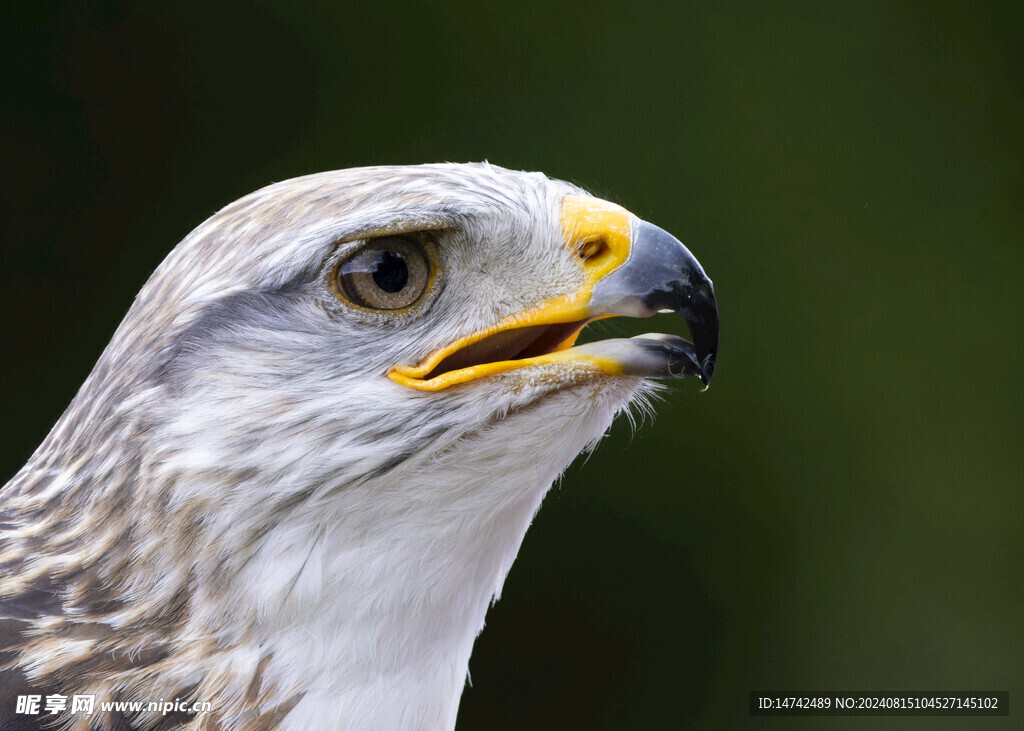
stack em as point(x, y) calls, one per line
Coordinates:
point(841, 511)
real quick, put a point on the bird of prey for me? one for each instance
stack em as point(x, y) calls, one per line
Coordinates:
point(300, 471)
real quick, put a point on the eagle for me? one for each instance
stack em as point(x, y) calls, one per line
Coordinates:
point(299, 473)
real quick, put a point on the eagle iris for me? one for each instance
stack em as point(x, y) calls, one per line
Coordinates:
point(389, 273)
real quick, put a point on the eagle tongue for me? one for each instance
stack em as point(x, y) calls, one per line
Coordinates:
point(504, 345)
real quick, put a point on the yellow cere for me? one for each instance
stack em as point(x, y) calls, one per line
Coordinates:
point(599, 232)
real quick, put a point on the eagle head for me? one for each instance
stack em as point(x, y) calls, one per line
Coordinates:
point(300, 471)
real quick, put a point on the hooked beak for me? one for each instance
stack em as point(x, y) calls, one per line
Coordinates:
point(632, 268)
point(661, 275)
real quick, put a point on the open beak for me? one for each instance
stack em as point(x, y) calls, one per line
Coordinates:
point(633, 269)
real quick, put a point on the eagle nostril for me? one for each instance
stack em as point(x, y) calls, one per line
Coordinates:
point(593, 250)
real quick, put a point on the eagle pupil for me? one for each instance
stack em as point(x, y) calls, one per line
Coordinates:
point(390, 271)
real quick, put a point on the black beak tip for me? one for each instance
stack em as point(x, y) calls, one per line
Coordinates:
point(707, 369)
point(702, 319)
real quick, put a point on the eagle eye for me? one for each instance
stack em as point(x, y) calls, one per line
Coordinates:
point(389, 273)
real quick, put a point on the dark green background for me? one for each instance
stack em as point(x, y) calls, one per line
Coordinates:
point(842, 510)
